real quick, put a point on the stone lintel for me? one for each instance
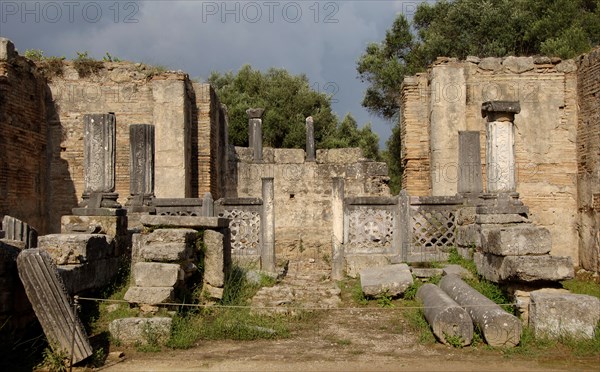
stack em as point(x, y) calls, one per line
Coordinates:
point(184, 221)
point(99, 211)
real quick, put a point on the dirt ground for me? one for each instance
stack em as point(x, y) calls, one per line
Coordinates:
point(364, 339)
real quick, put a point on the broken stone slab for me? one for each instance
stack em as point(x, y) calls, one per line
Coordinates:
point(153, 274)
point(498, 327)
point(500, 218)
point(167, 245)
point(421, 272)
point(77, 248)
point(468, 235)
point(51, 304)
point(212, 292)
point(191, 222)
point(518, 65)
point(521, 294)
point(357, 262)
point(518, 240)
point(562, 314)
point(523, 268)
point(391, 280)
point(446, 318)
point(114, 226)
point(150, 295)
point(15, 229)
point(141, 331)
point(215, 258)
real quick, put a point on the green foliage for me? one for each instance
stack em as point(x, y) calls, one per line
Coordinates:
point(455, 258)
point(34, 54)
point(582, 287)
point(49, 66)
point(417, 323)
point(85, 65)
point(288, 100)
point(385, 300)
point(110, 58)
point(454, 340)
point(358, 295)
point(55, 361)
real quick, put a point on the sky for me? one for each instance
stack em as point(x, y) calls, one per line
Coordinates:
point(321, 39)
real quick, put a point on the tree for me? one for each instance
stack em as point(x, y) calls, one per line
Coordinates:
point(485, 28)
point(288, 100)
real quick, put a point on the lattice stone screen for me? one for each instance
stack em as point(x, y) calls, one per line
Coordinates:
point(370, 230)
point(245, 231)
point(432, 229)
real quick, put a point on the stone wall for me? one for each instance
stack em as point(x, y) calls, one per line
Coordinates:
point(448, 98)
point(23, 141)
point(588, 160)
point(303, 191)
point(184, 162)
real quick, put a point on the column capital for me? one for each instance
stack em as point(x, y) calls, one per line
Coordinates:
point(255, 113)
point(500, 110)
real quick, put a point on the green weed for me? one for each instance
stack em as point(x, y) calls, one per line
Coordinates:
point(85, 65)
point(582, 287)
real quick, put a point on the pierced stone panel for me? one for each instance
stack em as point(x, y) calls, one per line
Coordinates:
point(245, 231)
point(369, 228)
point(432, 229)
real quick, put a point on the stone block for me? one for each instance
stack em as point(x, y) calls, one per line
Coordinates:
point(288, 156)
point(141, 331)
point(356, 263)
point(152, 274)
point(76, 248)
point(150, 295)
point(523, 268)
point(376, 169)
point(89, 276)
point(214, 293)
point(500, 218)
point(457, 270)
point(468, 236)
point(339, 156)
point(466, 215)
point(7, 50)
point(390, 280)
point(115, 226)
point(191, 222)
point(490, 64)
point(516, 240)
point(168, 245)
point(420, 272)
point(518, 65)
point(214, 258)
point(561, 314)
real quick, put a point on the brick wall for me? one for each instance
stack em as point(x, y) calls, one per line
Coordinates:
point(448, 98)
point(23, 142)
point(588, 160)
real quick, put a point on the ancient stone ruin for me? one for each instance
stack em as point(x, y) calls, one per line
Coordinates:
point(499, 164)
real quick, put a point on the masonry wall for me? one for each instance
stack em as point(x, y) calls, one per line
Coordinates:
point(23, 142)
point(588, 160)
point(303, 191)
point(137, 94)
point(448, 99)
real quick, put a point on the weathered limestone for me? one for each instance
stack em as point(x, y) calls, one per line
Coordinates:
point(469, 163)
point(523, 268)
point(311, 154)
point(563, 314)
point(446, 318)
point(208, 205)
point(166, 245)
point(140, 331)
point(500, 149)
point(421, 272)
point(255, 131)
point(337, 239)
point(184, 222)
point(457, 270)
point(172, 157)
point(7, 50)
point(390, 280)
point(267, 255)
point(150, 295)
point(141, 167)
point(50, 302)
point(357, 262)
point(499, 328)
point(215, 259)
point(519, 240)
point(15, 229)
point(77, 248)
point(154, 274)
point(99, 161)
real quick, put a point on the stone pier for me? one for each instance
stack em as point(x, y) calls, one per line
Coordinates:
point(310, 139)
point(255, 131)
point(267, 255)
point(141, 167)
point(469, 163)
point(500, 150)
point(337, 206)
point(99, 161)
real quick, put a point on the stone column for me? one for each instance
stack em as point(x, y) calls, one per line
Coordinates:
point(255, 131)
point(208, 205)
point(99, 161)
point(267, 254)
point(469, 163)
point(500, 149)
point(310, 139)
point(337, 207)
point(141, 165)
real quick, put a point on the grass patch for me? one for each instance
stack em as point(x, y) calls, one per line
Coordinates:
point(85, 65)
point(456, 259)
point(416, 322)
point(582, 287)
